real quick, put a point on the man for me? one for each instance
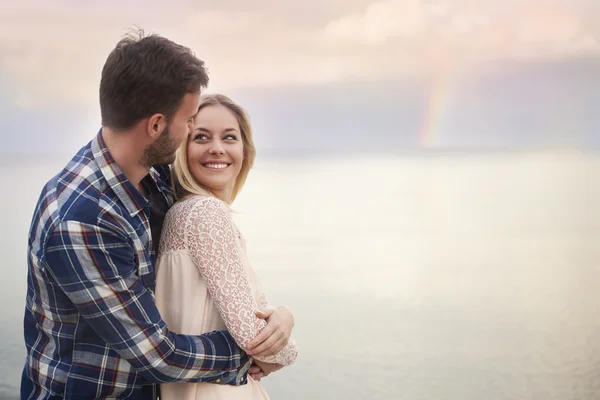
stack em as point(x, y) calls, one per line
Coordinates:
point(92, 329)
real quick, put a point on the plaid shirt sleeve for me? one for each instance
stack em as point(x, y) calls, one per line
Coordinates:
point(96, 268)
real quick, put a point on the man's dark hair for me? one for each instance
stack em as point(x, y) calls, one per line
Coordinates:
point(145, 75)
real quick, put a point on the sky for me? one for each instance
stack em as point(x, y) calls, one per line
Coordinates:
point(326, 75)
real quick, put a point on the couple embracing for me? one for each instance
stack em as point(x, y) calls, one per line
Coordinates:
point(139, 285)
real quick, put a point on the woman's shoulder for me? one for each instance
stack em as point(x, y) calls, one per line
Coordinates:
point(205, 201)
point(202, 204)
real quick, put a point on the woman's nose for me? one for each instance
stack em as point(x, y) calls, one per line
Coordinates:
point(217, 148)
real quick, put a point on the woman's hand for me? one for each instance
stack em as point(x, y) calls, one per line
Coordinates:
point(276, 334)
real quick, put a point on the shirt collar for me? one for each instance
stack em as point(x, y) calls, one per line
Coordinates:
point(161, 174)
point(131, 198)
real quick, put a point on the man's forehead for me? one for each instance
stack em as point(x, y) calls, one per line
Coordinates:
point(190, 103)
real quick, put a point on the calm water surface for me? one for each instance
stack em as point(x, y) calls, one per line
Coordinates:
point(473, 276)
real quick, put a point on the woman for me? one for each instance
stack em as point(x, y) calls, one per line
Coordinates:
point(204, 281)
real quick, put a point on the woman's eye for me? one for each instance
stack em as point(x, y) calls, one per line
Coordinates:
point(230, 137)
point(201, 136)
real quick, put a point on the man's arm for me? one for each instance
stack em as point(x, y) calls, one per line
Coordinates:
point(97, 270)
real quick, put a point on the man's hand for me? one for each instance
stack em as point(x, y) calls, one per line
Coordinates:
point(256, 373)
point(259, 369)
point(276, 334)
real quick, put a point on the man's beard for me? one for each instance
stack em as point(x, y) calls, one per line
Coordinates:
point(162, 151)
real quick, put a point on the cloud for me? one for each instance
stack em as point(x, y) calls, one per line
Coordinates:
point(250, 49)
point(381, 21)
point(523, 104)
point(53, 51)
point(526, 104)
point(459, 31)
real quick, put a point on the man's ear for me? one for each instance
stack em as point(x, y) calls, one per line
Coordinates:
point(157, 123)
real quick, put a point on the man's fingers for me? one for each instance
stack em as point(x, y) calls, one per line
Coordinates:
point(258, 376)
point(254, 369)
point(256, 372)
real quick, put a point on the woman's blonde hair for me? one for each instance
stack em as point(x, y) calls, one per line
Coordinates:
point(183, 181)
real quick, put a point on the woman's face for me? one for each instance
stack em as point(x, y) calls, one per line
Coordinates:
point(216, 150)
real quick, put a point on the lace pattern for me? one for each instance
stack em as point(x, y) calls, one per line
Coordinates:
point(203, 226)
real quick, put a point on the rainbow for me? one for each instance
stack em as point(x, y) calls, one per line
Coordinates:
point(430, 133)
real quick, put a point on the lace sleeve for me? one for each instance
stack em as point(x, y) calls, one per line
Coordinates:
point(211, 240)
point(262, 302)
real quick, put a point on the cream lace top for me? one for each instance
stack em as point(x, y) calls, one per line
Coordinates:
point(200, 231)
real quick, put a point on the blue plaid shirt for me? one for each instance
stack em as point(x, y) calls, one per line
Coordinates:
point(92, 329)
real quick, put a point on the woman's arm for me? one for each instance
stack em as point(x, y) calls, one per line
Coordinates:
point(214, 246)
